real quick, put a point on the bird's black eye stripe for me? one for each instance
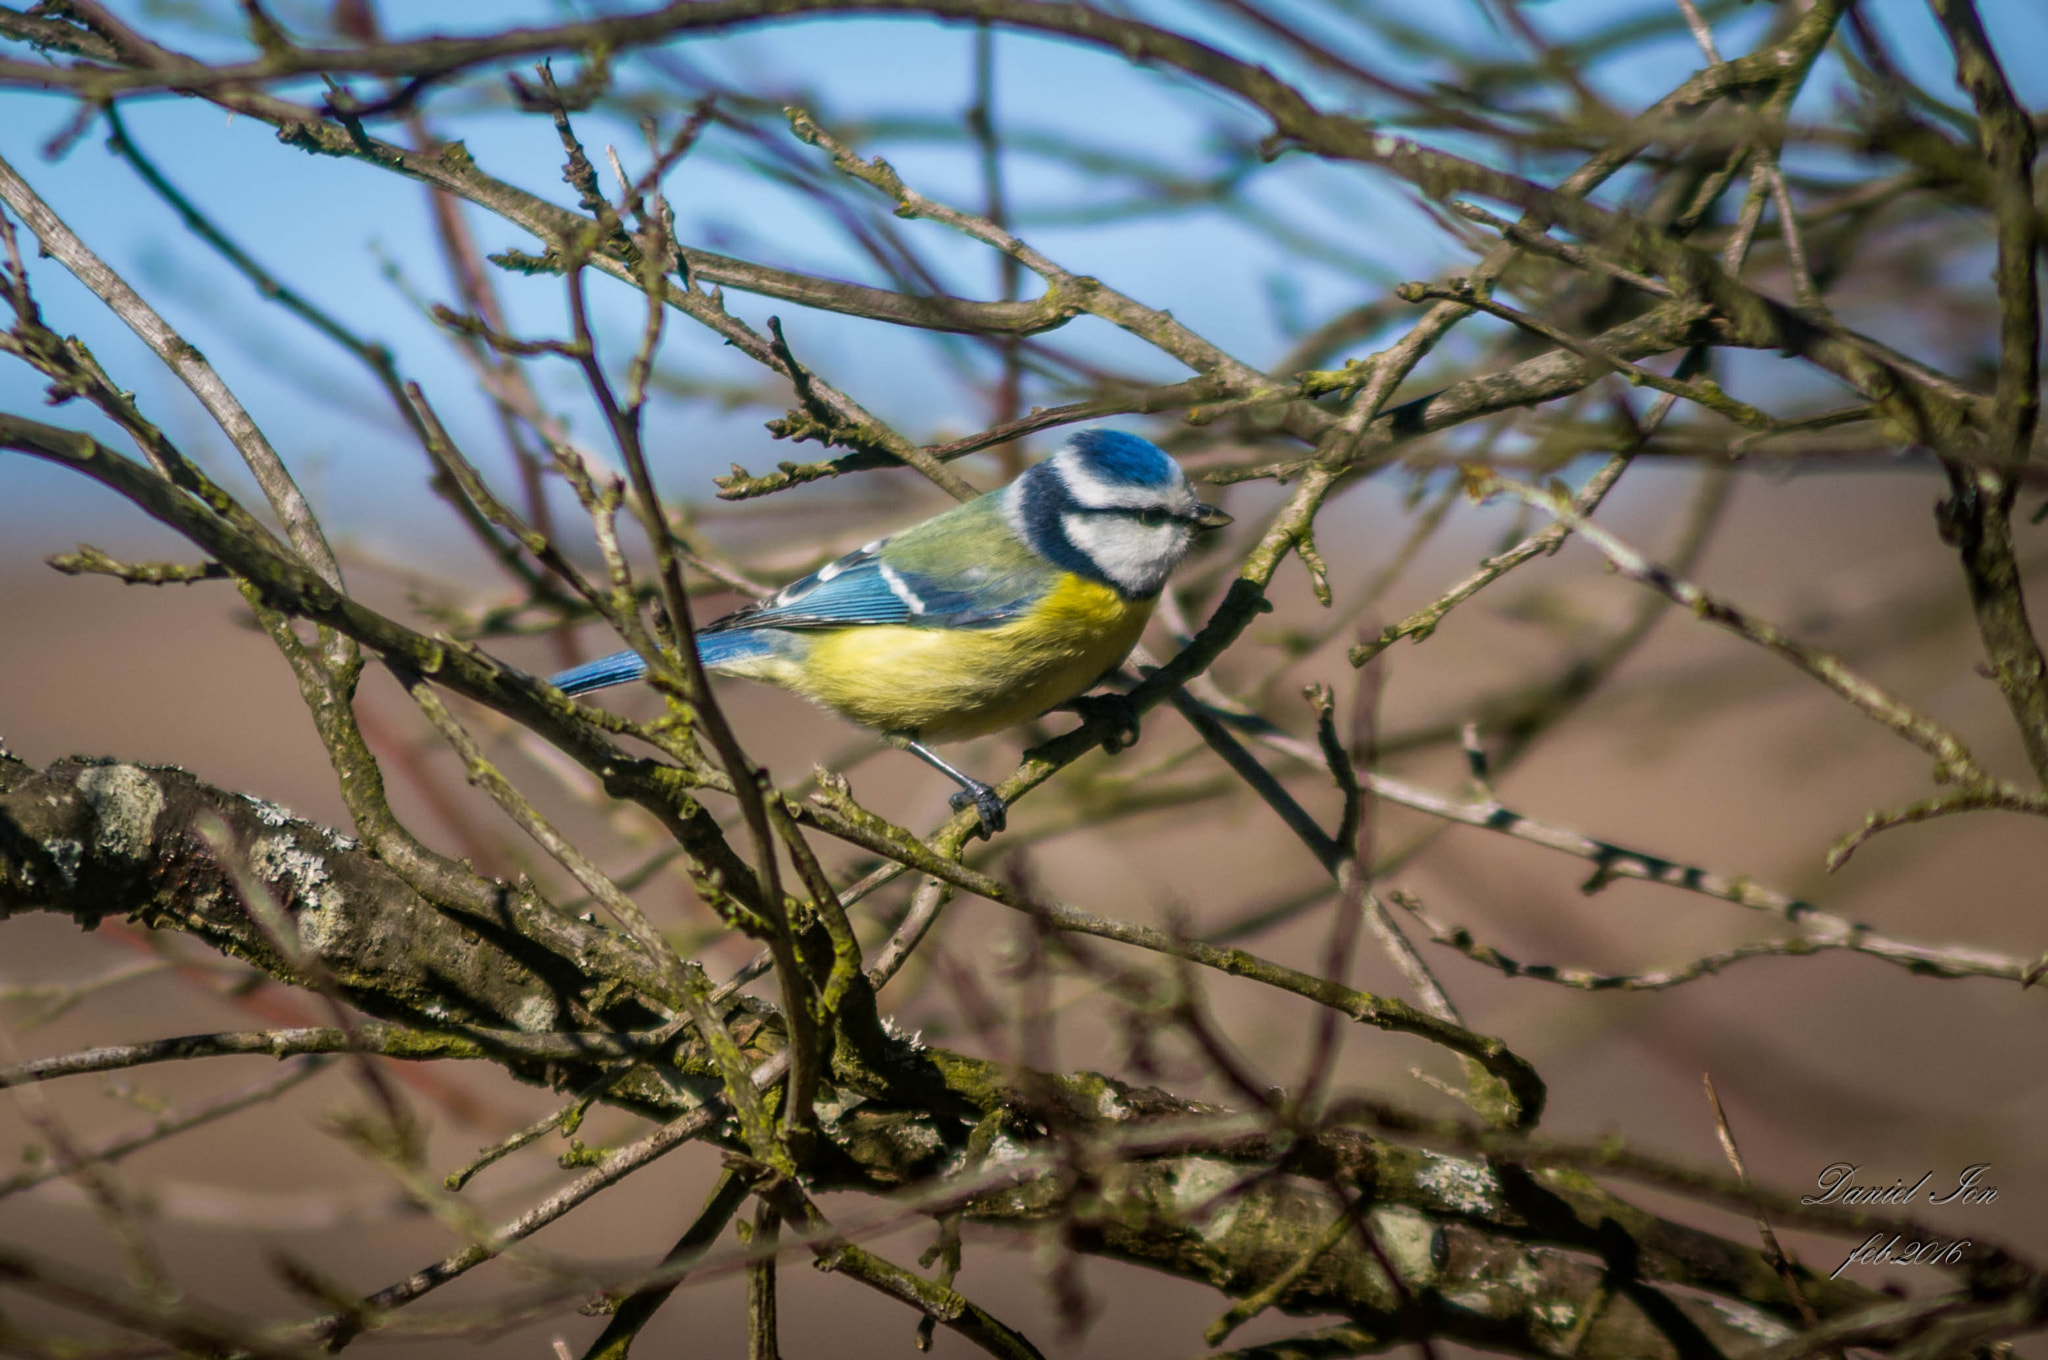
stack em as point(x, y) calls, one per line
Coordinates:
point(1149, 515)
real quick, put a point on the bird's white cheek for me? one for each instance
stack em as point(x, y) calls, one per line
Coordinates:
point(1137, 557)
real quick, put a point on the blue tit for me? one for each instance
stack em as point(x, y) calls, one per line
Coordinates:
point(985, 615)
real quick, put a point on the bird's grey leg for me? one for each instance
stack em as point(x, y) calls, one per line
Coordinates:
point(985, 801)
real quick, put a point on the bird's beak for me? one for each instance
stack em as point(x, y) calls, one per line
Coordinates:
point(1209, 517)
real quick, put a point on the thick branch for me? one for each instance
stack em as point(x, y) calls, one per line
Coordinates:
point(93, 839)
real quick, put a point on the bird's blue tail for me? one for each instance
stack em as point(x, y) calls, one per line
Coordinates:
point(621, 668)
point(616, 669)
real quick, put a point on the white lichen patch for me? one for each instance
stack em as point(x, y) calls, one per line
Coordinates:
point(1199, 1183)
point(278, 818)
point(912, 1037)
point(1743, 1318)
point(1558, 1316)
point(304, 888)
point(270, 814)
point(1460, 1186)
point(1003, 1148)
point(1484, 1302)
point(1525, 1279)
point(67, 855)
point(125, 803)
point(1110, 1105)
point(916, 1141)
point(1409, 1239)
point(537, 1014)
point(835, 1105)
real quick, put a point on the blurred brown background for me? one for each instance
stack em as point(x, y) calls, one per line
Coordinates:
point(1700, 749)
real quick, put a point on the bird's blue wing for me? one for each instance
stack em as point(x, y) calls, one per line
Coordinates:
point(864, 588)
point(963, 569)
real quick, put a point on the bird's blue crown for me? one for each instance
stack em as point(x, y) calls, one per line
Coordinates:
point(1125, 459)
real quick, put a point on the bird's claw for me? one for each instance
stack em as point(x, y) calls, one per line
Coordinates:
point(1118, 711)
point(987, 804)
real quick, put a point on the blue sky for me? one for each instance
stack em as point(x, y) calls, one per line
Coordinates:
point(338, 230)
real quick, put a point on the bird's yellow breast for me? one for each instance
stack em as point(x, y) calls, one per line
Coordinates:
point(941, 684)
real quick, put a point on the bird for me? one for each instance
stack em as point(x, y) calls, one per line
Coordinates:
point(988, 614)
